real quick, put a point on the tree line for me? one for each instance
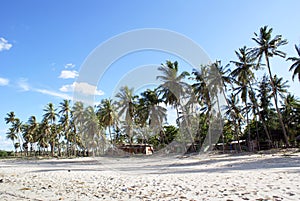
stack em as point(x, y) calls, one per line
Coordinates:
point(255, 109)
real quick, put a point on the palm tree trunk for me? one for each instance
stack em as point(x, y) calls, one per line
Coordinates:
point(249, 132)
point(275, 100)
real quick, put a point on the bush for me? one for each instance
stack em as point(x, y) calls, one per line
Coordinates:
point(4, 154)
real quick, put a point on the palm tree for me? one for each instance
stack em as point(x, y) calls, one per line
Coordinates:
point(107, 115)
point(245, 78)
point(33, 127)
point(281, 87)
point(268, 47)
point(233, 112)
point(156, 113)
point(50, 117)
point(217, 79)
point(296, 65)
point(291, 114)
point(65, 111)
point(11, 134)
point(77, 124)
point(126, 105)
point(10, 118)
point(17, 126)
point(91, 129)
point(173, 87)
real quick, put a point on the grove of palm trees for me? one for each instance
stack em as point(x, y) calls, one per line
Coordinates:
point(258, 112)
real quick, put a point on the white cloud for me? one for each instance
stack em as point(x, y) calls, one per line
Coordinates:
point(53, 93)
point(23, 84)
point(69, 65)
point(82, 87)
point(4, 45)
point(3, 81)
point(67, 74)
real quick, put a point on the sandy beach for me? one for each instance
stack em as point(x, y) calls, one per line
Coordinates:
point(273, 176)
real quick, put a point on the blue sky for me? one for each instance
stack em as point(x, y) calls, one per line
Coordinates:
point(44, 43)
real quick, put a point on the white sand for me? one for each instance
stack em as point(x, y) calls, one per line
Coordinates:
point(217, 177)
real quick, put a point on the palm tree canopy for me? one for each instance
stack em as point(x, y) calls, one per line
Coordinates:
point(10, 117)
point(50, 113)
point(267, 45)
point(126, 102)
point(296, 65)
point(173, 87)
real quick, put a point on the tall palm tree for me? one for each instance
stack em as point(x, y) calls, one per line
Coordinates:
point(91, 129)
point(107, 115)
point(218, 79)
point(77, 124)
point(296, 65)
point(245, 77)
point(173, 87)
point(268, 47)
point(33, 127)
point(65, 111)
point(50, 116)
point(17, 126)
point(126, 105)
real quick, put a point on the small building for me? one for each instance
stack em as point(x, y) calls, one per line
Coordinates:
point(137, 148)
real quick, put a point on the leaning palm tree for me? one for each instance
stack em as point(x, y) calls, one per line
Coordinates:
point(50, 116)
point(268, 47)
point(296, 65)
point(173, 87)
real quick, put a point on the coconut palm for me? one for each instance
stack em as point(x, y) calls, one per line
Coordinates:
point(126, 106)
point(267, 48)
point(11, 134)
point(291, 114)
point(91, 130)
point(233, 113)
point(218, 78)
point(108, 116)
point(50, 116)
point(156, 113)
point(33, 127)
point(173, 87)
point(245, 77)
point(281, 87)
point(296, 65)
point(17, 126)
point(77, 124)
point(10, 117)
point(65, 112)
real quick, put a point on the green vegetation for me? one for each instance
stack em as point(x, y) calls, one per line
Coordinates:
point(256, 109)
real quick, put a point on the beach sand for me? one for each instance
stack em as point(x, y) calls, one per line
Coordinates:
point(273, 176)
